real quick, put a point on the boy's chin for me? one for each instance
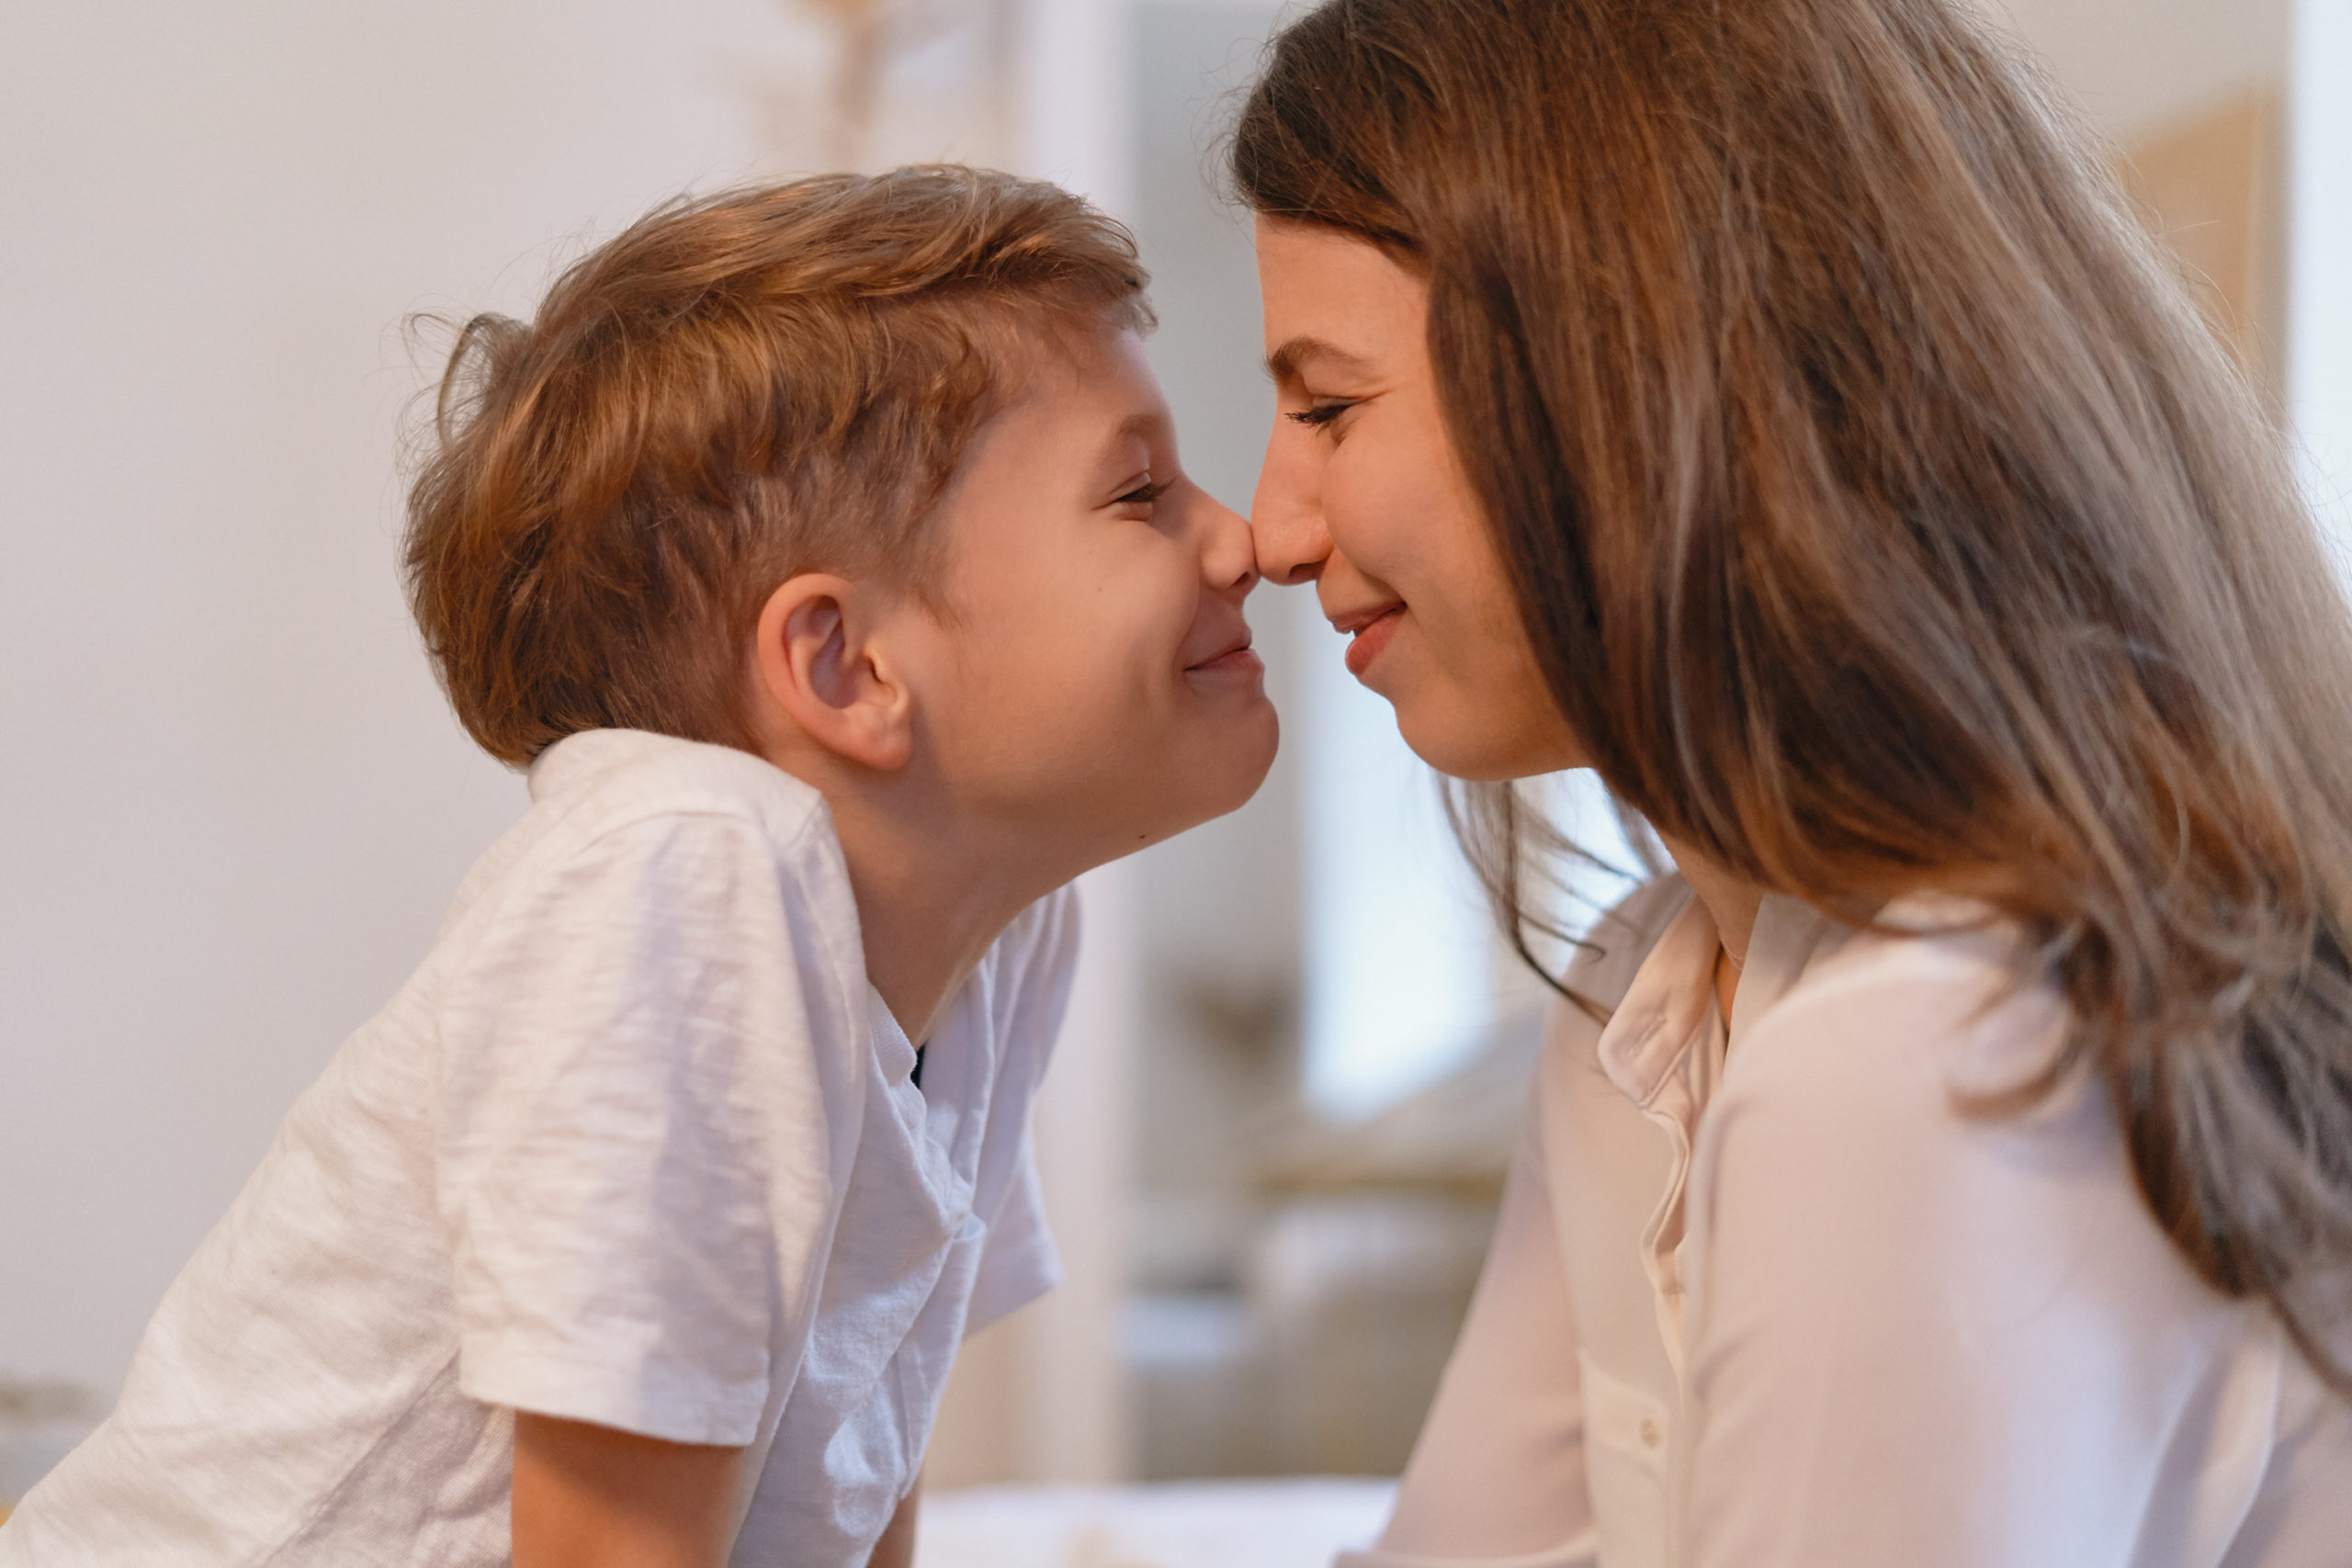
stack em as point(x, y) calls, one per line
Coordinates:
point(1209, 771)
point(1225, 769)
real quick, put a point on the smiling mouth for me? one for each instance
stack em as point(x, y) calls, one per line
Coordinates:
point(1240, 659)
point(1370, 635)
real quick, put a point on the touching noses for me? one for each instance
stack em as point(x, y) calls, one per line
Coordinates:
point(1285, 522)
point(1228, 555)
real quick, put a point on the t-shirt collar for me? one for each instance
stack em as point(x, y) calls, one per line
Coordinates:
point(891, 1041)
point(579, 757)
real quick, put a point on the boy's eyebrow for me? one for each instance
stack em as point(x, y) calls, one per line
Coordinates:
point(1140, 427)
point(1284, 362)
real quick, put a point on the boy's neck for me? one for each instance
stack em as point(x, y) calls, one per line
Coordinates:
point(933, 888)
point(927, 911)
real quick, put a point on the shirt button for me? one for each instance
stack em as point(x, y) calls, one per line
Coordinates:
point(1651, 1436)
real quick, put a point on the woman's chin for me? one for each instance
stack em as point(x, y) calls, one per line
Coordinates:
point(1451, 742)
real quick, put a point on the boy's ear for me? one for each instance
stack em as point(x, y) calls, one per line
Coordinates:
point(820, 662)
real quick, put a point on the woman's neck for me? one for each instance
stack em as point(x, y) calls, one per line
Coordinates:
point(1733, 904)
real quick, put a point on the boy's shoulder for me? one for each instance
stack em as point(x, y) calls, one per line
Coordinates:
point(621, 795)
point(603, 778)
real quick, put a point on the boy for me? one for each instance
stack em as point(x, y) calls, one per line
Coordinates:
point(822, 549)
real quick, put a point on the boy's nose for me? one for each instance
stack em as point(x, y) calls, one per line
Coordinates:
point(1228, 555)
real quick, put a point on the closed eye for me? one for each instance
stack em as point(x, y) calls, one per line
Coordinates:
point(1144, 495)
point(1320, 415)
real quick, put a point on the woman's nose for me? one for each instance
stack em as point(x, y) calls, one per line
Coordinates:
point(1285, 519)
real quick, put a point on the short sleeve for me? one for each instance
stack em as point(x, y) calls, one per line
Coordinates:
point(647, 1105)
point(1019, 1262)
point(1497, 1479)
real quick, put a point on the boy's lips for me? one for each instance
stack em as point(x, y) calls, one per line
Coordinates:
point(1371, 629)
point(1239, 658)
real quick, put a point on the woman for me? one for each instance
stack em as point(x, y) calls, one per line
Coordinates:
point(1770, 406)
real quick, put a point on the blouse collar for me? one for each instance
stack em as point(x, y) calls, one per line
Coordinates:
point(1666, 1006)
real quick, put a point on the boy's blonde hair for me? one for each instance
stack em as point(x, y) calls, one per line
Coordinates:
point(735, 389)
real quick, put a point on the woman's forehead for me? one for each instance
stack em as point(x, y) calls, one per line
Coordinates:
point(1333, 301)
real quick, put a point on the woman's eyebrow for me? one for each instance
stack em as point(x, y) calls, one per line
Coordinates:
point(1285, 362)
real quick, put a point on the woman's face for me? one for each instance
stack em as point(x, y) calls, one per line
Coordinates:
point(1361, 496)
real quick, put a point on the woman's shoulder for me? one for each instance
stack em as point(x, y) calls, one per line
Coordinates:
point(1938, 997)
point(1875, 1229)
point(1912, 1093)
point(1911, 1100)
point(1919, 1071)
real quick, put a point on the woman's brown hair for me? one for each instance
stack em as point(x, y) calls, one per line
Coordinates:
point(1883, 519)
point(733, 389)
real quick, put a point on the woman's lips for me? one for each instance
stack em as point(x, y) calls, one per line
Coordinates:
point(1370, 639)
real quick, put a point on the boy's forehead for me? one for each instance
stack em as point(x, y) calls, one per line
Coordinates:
point(1088, 391)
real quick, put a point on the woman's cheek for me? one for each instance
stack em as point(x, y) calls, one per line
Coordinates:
point(1352, 508)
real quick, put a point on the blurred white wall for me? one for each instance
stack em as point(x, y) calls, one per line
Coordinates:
point(2319, 285)
point(2134, 64)
point(236, 804)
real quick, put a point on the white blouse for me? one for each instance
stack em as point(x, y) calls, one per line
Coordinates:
point(1791, 1304)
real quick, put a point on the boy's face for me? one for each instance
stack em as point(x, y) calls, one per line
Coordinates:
point(1090, 681)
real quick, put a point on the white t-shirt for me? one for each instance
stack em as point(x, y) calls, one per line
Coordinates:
point(637, 1145)
point(1776, 1300)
